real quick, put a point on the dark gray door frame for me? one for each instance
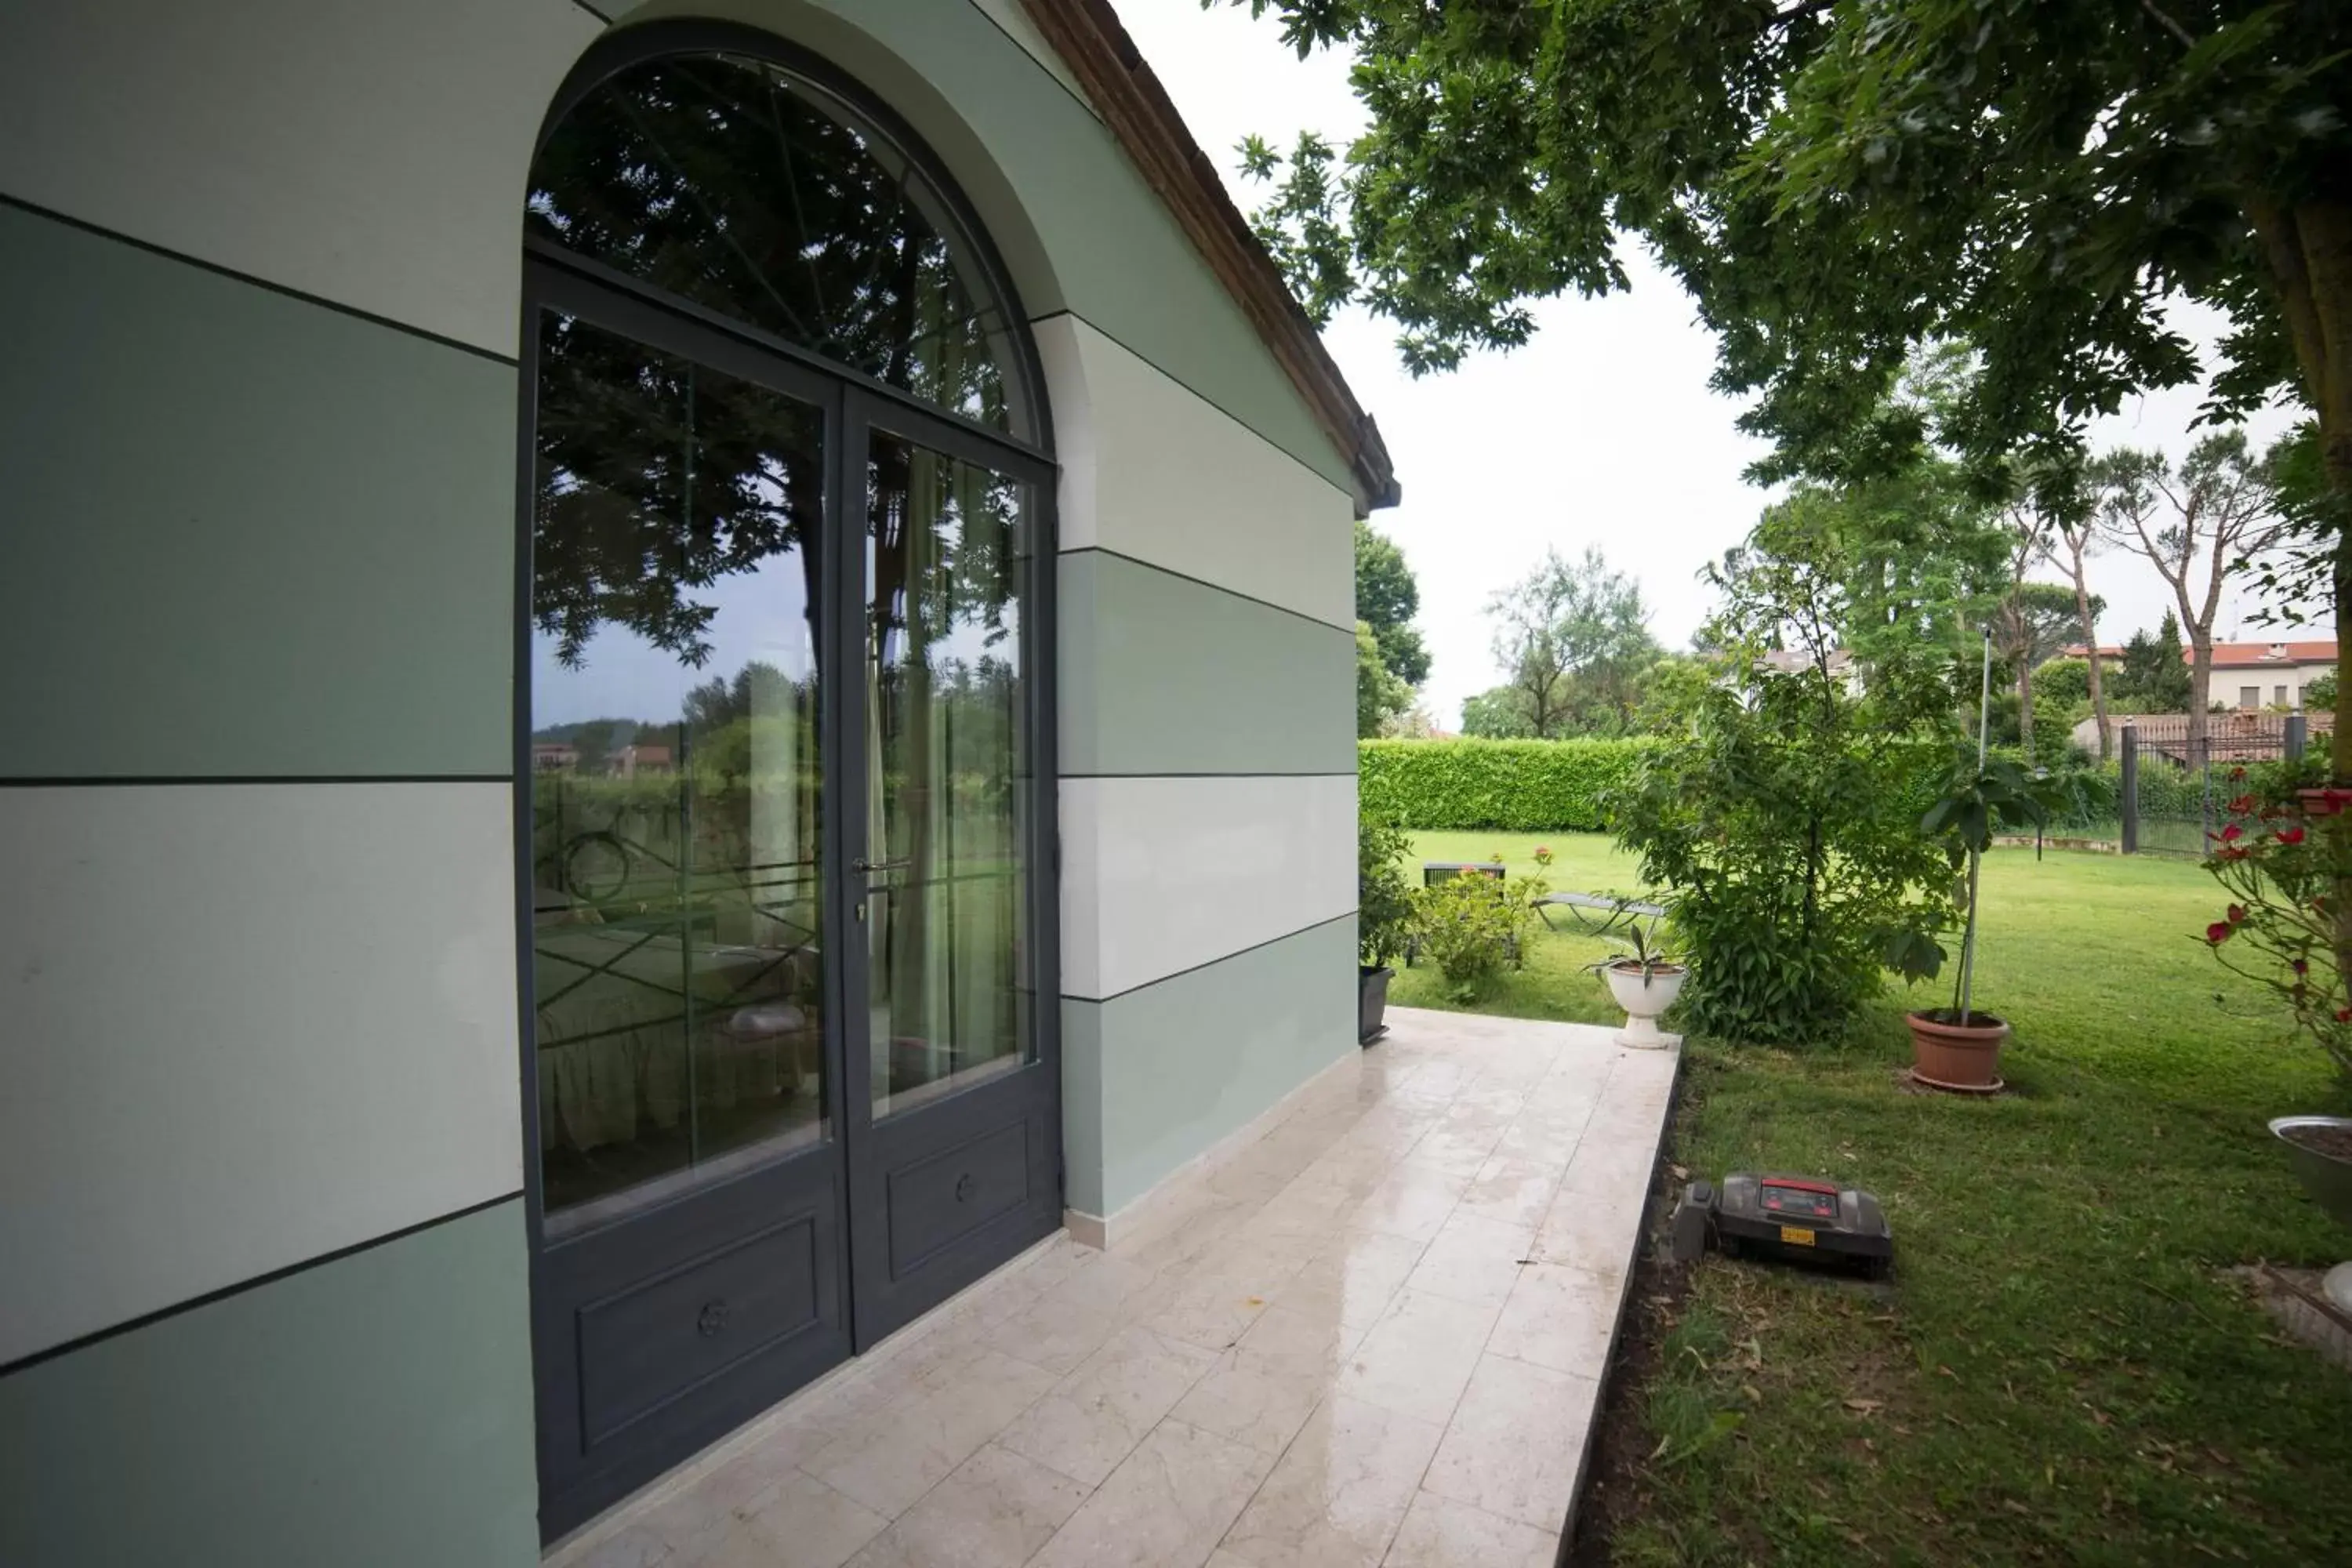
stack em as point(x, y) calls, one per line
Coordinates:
point(843, 1201)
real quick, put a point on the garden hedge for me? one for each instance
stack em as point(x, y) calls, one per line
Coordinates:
point(1510, 786)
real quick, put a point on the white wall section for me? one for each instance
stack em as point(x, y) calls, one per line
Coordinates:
point(247, 1025)
point(376, 155)
point(1152, 471)
point(1161, 875)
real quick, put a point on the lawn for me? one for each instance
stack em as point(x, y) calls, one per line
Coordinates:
point(2062, 1369)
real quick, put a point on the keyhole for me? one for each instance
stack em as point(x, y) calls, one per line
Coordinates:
point(712, 1319)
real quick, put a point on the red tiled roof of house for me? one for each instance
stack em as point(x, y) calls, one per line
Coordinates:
point(2240, 655)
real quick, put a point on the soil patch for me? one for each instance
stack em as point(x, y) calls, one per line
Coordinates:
point(2335, 1143)
point(1622, 1441)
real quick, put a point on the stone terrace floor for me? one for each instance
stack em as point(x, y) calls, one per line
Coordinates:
point(1372, 1334)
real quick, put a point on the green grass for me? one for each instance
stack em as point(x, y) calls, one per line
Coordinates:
point(2062, 1369)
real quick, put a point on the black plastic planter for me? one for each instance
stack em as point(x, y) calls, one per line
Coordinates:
point(1372, 1002)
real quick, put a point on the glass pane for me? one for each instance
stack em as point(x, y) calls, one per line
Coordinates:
point(948, 780)
point(674, 781)
point(725, 181)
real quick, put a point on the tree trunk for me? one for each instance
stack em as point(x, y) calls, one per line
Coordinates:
point(2201, 690)
point(2099, 708)
point(2025, 709)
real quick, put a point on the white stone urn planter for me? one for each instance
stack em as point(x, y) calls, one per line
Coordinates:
point(1644, 994)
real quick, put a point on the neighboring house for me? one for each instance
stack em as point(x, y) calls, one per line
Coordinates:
point(2254, 674)
point(892, 376)
point(1843, 667)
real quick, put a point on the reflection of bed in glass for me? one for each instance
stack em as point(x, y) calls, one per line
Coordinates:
point(679, 1037)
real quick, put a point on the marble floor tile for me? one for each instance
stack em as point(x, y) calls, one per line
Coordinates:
point(634, 1546)
point(1441, 1533)
point(1076, 1318)
point(1263, 1390)
point(1474, 1259)
point(1414, 1202)
point(1559, 1317)
point(1352, 1281)
point(1417, 1359)
point(1166, 1506)
point(1213, 1302)
point(994, 1511)
point(1517, 1443)
point(1339, 1490)
point(1094, 1418)
point(1458, 1149)
point(1592, 1227)
point(806, 1523)
point(1512, 1189)
point(891, 1459)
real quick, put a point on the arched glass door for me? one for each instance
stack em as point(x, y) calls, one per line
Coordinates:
point(790, 957)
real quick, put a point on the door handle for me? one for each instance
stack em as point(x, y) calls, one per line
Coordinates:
point(868, 866)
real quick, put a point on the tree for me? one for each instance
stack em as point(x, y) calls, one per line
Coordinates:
point(2068, 545)
point(2319, 694)
point(1571, 635)
point(1379, 696)
point(2193, 526)
point(1497, 714)
point(2153, 675)
point(1838, 182)
point(2035, 621)
point(1782, 805)
point(1387, 599)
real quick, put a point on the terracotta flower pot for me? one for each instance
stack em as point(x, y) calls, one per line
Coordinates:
point(1965, 1058)
point(2323, 802)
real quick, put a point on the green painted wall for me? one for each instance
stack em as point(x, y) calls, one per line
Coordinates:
point(247, 535)
point(1163, 675)
point(1176, 1066)
point(375, 1410)
point(1078, 225)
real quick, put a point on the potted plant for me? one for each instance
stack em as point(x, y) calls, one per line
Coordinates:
point(1644, 980)
point(1384, 915)
point(2283, 861)
point(1959, 1047)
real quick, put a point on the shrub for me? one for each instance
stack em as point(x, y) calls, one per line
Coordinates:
point(1473, 924)
point(1509, 786)
point(1384, 896)
point(2283, 868)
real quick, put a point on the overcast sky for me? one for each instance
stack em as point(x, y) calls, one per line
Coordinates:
point(1602, 431)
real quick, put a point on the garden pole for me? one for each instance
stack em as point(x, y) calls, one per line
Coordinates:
point(1969, 939)
point(2128, 788)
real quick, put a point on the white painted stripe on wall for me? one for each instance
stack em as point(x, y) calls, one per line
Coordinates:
point(371, 154)
point(1161, 875)
point(1152, 471)
point(246, 1025)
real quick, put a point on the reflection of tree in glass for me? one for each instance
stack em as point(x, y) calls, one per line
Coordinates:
point(717, 178)
point(655, 476)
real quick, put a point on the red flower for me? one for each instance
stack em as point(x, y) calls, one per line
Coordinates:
point(2237, 772)
point(2301, 966)
point(2232, 853)
point(2242, 804)
point(2344, 1015)
point(2290, 836)
point(2237, 914)
point(2233, 833)
point(2218, 932)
